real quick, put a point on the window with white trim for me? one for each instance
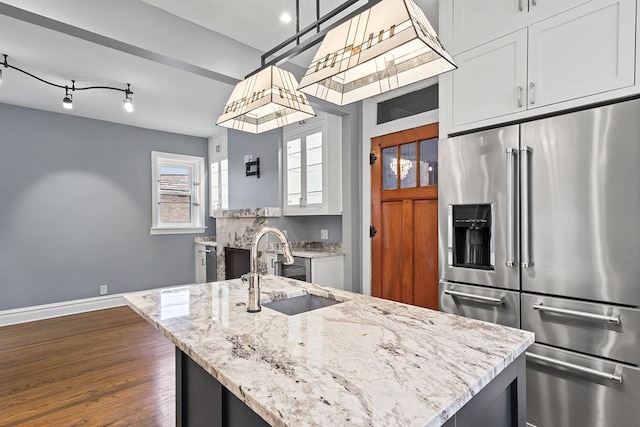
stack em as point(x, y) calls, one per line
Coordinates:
point(178, 193)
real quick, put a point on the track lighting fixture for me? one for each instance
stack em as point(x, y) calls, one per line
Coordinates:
point(67, 101)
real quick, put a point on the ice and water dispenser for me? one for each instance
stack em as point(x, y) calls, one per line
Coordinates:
point(471, 242)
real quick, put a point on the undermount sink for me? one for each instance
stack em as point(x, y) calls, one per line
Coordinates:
point(300, 304)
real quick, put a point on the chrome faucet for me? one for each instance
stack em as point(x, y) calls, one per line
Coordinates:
point(254, 278)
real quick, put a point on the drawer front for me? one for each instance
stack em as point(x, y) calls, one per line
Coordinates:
point(476, 302)
point(602, 330)
point(567, 389)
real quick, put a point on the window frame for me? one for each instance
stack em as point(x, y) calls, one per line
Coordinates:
point(197, 184)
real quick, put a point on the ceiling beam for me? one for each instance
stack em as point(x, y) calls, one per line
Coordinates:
point(70, 30)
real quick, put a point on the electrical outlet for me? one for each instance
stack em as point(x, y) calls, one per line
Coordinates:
point(103, 289)
point(248, 158)
point(324, 234)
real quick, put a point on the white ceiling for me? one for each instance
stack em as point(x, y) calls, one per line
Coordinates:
point(175, 54)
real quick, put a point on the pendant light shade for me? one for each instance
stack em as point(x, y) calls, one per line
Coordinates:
point(390, 45)
point(264, 101)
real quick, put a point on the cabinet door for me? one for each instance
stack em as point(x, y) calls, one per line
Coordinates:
point(328, 271)
point(201, 264)
point(294, 173)
point(490, 80)
point(475, 21)
point(584, 51)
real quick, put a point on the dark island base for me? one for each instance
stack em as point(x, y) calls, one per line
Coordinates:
point(201, 401)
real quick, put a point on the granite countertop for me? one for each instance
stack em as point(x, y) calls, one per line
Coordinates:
point(309, 249)
point(207, 241)
point(365, 361)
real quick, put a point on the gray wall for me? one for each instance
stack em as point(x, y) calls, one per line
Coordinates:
point(249, 191)
point(307, 228)
point(75, 209)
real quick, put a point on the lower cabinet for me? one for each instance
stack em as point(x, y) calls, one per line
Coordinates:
point(201, 264)
point(328, 271)
point(206, 263)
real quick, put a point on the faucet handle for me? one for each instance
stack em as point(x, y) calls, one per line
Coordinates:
point(245, 278)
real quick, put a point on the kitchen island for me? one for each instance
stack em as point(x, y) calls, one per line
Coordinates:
point(363, 362)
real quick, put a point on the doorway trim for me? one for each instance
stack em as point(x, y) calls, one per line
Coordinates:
point(371, 130)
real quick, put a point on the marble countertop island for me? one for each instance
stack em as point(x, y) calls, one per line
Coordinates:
point(364, 362)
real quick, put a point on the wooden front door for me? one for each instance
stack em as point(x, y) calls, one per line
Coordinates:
point(404, 211)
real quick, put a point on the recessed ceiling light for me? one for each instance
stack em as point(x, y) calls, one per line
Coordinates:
point(285, 17)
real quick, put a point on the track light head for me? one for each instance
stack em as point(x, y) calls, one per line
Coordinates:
point(128, 102)
point(67, 101)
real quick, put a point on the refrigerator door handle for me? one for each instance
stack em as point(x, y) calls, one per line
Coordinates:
point(577, 368)
point(526, 202)
point(491, 300)
point(512, 158)
point(609, 319)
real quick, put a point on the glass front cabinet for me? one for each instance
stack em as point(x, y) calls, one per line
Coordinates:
point(312, 166)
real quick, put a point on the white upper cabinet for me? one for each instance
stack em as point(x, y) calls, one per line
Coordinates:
point(490, 81)
point(312, 167)
point(479, 21)
point(583, 51)
point(574, 57)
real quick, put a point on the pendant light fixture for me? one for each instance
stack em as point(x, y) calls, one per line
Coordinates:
point(389, 45)
point(264, 101)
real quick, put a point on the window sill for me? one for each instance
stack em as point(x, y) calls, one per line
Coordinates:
point(177, 230)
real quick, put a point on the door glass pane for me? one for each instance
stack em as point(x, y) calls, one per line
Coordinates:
point(389, 168)
point(224, 184)
point(174, 179)
point(214, 177)
point(175, 208)
point(314, 169)
point(408, 162)
point(294, 178)
point(429, 162)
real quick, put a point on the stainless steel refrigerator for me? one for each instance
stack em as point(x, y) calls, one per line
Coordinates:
point(540, 229)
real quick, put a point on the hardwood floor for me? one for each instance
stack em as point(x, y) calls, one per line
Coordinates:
point(104, 368)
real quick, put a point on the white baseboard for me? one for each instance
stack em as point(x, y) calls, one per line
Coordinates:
point(65, 308)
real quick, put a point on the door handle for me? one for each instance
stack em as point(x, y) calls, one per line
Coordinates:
point(532, 92)
point(616, 376)
point(512, 158)
point(480, 298)
point(520, 96)
point(592, 316)
point(526, 206)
